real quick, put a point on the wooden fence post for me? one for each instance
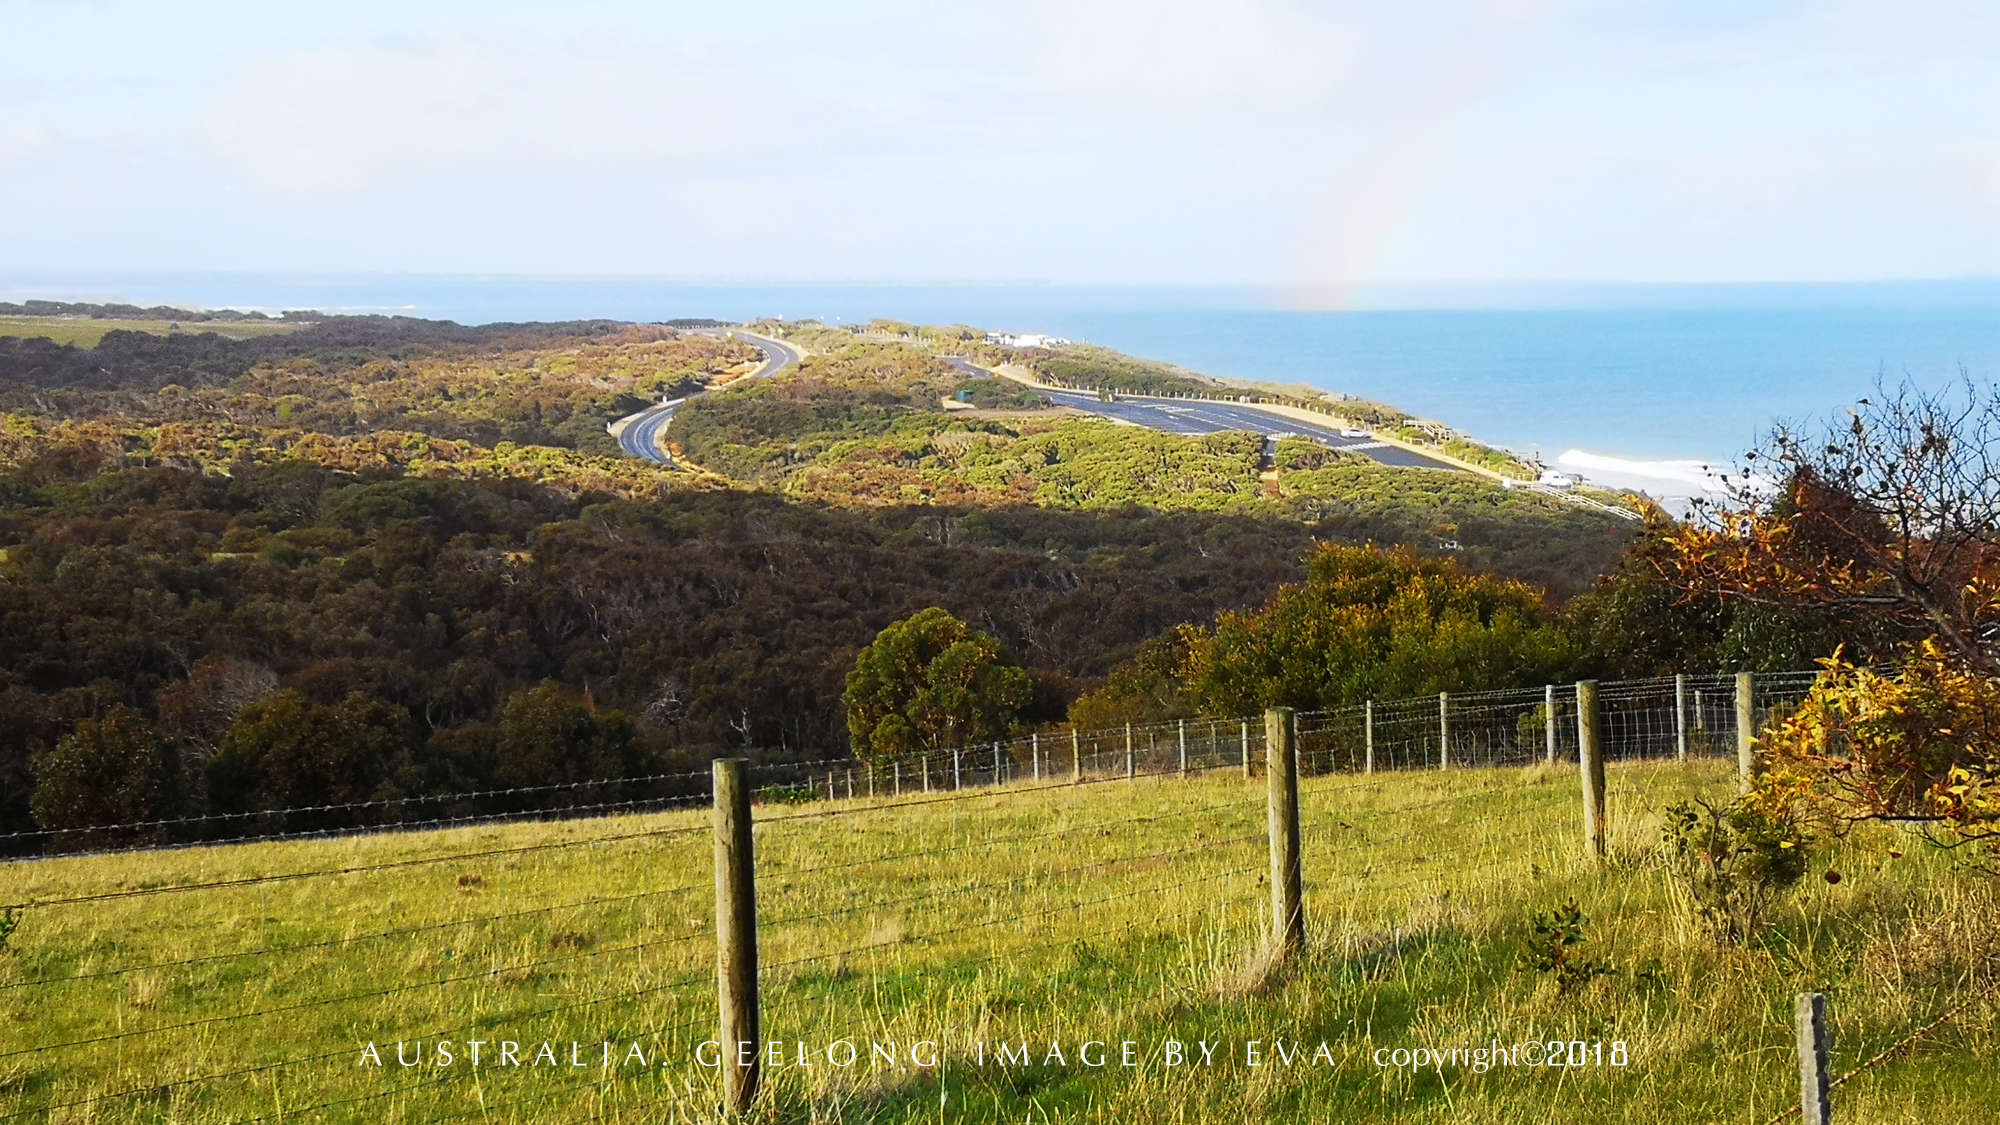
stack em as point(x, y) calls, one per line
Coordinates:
point(1590, 765)
point(924, 761)
point(955, 775)
point(1076, 756)
point(850, 785)
point(1183, 733)
point(736, 936)
point(1746, 730)
point(1680, 717)
point(1246, 751)
point(1815, 1051)
point(1128, 751)
point(1281, 769)
point(1035, 743)
point(1444, 731)
point(1368, 737)
point(1549, 720)
point(896, 768)
point(999, 771)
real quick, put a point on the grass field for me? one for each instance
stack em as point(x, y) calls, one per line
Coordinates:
point(85, 332)
point(1102, 913)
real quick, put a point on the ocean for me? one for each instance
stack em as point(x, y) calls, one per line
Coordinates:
point(1629, 385)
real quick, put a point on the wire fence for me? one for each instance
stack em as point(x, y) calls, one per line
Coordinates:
point(954, 903)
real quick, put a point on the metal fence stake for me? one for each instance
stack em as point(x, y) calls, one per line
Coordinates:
point(1549, 719)
point(1368, 737)
point(1680, 717)
point(1444, 730)
point(1815, 1053)
point(1746, 730)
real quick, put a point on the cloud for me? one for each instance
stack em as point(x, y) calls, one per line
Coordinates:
point(337, 122)
point(1180, 53)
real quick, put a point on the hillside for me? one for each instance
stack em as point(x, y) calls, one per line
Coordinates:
point(408, 528)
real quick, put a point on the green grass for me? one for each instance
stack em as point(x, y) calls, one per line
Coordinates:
point(1104, 912)
point(85, 332)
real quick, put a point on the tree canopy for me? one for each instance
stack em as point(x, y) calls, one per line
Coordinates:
point(930, 682)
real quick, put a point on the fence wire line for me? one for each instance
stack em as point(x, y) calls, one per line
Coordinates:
point(482, 820)
point(362, 869)
point(1026, 917)
point(894, 857)
point(350, 806)
point(355, 940)
point(376, 994)
point(1900, 1045)
point(1031, 877)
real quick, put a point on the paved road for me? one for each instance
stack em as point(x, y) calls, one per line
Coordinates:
point(641, 436)
point(1192, 416)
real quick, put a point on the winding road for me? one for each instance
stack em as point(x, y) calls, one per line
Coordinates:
point(1197, 416)
point(641, 435)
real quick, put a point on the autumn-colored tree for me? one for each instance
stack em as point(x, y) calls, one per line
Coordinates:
point(1891, 515)
point(929, 682)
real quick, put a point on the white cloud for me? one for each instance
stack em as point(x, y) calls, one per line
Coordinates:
point(1181, 53)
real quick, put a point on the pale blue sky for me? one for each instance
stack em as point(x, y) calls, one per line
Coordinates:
point(1083, 141)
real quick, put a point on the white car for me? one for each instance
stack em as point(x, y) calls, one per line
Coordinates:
point(1350, 431)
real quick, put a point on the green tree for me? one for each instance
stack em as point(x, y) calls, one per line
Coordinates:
point(117, 771)
point(288, 752)
point(1370, 624)
point(548, 736)
point(929, 682)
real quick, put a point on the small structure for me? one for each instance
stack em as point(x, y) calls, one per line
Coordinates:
point(1025, 340)
point(1559, 481)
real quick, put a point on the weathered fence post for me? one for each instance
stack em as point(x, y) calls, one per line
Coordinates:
point(955, 775)
point(1746, 730)
point(1128, 751)
point(1246, 750)
point(1281, 769)
point(896, 770)
point(1549, 720)
point(1035, 744)
point(1815, 1052)
point(1076, 756)
point(850, 785)
point(1183, 733)
point(999, 768)
point(924, 762)
point(1444, 731)
point(1368, 737)
point(1680, 717)
point(871, 781)
point(1590, 765)
point(736, 936)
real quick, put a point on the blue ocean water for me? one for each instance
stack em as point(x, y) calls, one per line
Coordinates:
point(1699, 375)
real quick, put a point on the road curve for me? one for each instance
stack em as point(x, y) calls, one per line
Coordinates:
point(641, 435)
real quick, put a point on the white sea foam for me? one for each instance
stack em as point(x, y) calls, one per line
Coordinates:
point(1661, 479)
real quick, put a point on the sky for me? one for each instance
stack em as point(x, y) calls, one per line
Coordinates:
point(1323, 148)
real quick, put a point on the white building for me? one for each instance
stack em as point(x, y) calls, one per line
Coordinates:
point(1026, 340)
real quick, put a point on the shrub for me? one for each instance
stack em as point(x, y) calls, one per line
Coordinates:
point(1736, 861)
